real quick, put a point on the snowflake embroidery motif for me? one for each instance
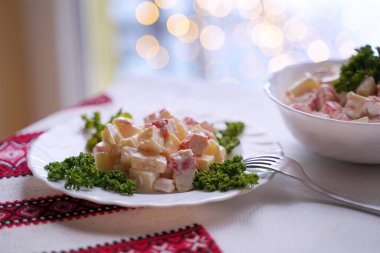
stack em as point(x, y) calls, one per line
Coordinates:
point(165, 248)
point(196, 242)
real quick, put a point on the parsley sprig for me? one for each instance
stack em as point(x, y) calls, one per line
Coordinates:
point(364, 64)
point(229, 137)
point(79, 172)
point(225, 176)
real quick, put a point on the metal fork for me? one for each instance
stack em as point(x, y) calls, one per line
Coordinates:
point(289, 167)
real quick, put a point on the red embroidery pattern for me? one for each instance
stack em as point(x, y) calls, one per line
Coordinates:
point(50, 209)
point(13, 155)
point(190, 239)
point(101, 99)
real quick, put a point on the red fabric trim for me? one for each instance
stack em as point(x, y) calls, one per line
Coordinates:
point(50, 209)
point(13, 152)
point(190, 239)
point(101, 99)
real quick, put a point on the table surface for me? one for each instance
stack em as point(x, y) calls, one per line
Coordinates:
point(282, 215)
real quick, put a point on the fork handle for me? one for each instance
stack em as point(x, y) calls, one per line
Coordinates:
point(343, 200)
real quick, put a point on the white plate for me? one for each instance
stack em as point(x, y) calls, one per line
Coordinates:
point(68, 140)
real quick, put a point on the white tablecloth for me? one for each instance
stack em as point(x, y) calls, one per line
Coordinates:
point(281, 216)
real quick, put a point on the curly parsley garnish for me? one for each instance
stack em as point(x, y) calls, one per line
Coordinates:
point(94, 126)
point(364, 64)
point(225, 176)
point(79, 172)
point(228, 138)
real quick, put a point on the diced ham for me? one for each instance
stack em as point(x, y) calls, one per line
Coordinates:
point(184, 167)
point(151, 117)
point(190, 121)
point(207, 126)
point(196, 142)
point(166, 126)
point(326, 93)
point(301, 107)
point(372, 107)
point(331, 108)
point(164, 185)
point(309, 99)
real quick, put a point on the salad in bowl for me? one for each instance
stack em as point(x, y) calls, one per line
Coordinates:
point(350, 93)
point(333, 107)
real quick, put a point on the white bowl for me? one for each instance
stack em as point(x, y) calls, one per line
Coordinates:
point(342, 140)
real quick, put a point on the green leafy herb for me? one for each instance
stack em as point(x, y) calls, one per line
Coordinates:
point(94, 126)
point(80, 172)
point(228, 138)
point(225, 176)
point(364, 64)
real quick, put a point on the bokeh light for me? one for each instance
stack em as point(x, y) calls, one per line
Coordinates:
point(295, 29)
point(318, 51)
point(191, 34)
point(147, 46)
point(147, 13)
point(267, 36)
point(160, 60)
point(212, 37)
point(165, 4)
point(178, 24)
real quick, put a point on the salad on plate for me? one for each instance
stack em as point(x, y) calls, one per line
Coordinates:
point(164, 155)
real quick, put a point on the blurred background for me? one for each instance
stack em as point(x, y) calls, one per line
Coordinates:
point(56, 53)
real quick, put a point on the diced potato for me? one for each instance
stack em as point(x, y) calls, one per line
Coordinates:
point(165, 114)
point(103, 161)
point(144, 179)
point(171, 144)
point(367, 87)
point(362, 119)
point(126, 153)
point(181, 131)
point(184, 167)
point(125, 127)
point(150, 140)
point(128, 142)
point(213, 149)
point(302, 86)
point(354, 107)
point(204, 161)
point(111, 134)
point(168, 173)
point(164, 185)
point(140, 161)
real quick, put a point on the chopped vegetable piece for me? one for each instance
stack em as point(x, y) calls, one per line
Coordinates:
point(80, 172)
point(228, 138)
point(225, 176)
point(94, 126)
